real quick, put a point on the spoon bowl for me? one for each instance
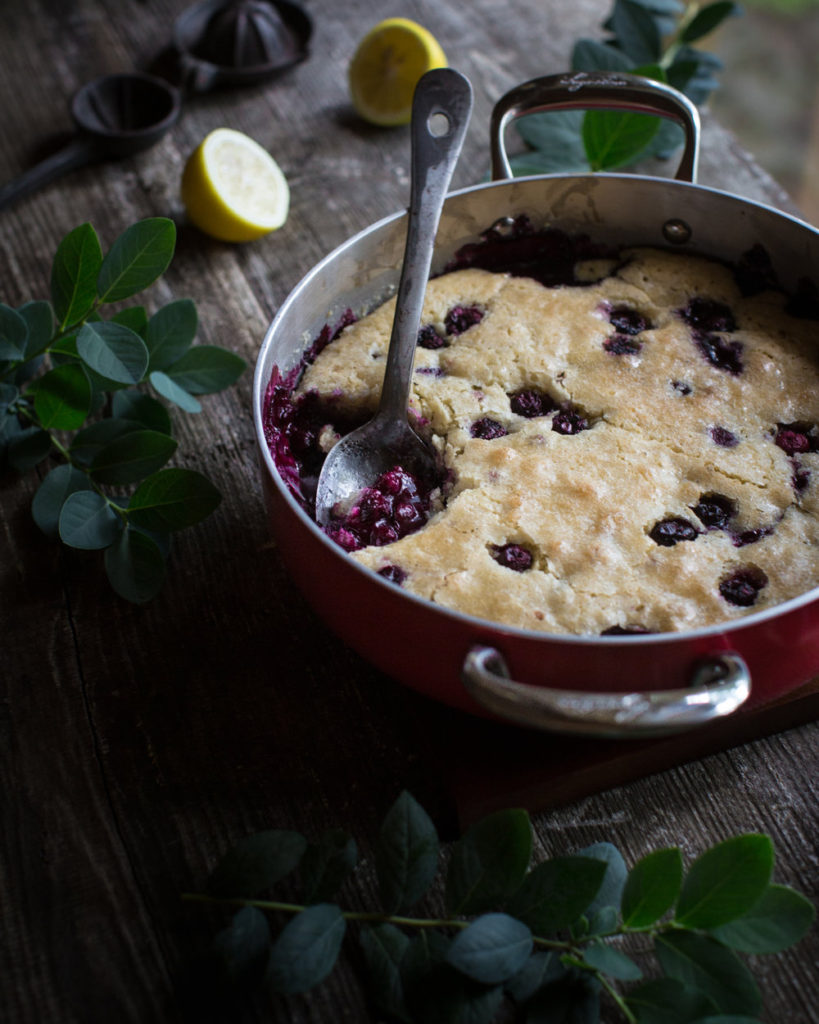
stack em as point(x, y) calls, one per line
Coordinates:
point(440, 113)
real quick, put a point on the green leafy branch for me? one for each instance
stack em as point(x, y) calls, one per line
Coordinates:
point(544, 941)
point(74, 386)
point(653, 38)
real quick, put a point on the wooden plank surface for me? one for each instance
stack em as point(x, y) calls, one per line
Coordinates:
point(137, 743)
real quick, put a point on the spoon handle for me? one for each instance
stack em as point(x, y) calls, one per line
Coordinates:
point(440, 113)
point(77, 152)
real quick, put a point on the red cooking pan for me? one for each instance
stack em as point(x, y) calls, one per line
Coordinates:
point(594, 685)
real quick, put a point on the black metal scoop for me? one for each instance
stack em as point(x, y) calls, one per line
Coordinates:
point(116, 116)
point(237, 42)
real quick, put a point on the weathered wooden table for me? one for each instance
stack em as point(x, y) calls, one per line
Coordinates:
point(138, 743)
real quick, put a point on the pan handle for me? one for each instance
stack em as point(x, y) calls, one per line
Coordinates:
point(585, 90)
point(719, 685)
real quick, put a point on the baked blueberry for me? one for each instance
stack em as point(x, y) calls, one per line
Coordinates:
point(569, 421)
point(668, 532)
point(626, 320)
point(714, 510)
point(742, 586)
point(723, 437)
point(461, 318)
point(429, 338)
point(531, 403)
point(512, 556)
point(622, 345)
point(725, 355)
point(487, 429)
point(708, 315)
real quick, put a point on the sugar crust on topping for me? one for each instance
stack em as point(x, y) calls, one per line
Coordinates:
point(665, 427)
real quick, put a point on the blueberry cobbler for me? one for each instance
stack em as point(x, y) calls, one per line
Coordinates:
point(628, 442)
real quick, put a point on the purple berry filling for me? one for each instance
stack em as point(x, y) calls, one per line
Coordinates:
point(461, 318)
point(397, 504)
point(800, 478)
point(626, 320)
point(668, 532)
point(724, 355)
point(714, 510)
point(682, 387)
point(429, 338)
point(569, 421)
point(705, 315)
point(723, 437)
point(487, 429)
point(531, 403)
point(393, 573)
point(622, 345)
point(742, 586)
point(512, 556)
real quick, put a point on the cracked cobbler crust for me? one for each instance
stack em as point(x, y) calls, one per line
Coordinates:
point(635, 454)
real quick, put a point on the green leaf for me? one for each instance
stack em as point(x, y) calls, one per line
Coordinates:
point(113, 351)
point(136, 259)
point(135, 318)
point(556, 140)
point(489, 862)
point(39, 318)
point(491, 949)
point(91, 440)
point(407, 854)
point(206, 369)
point(613, 140)
point(636, 31)
point(135, 566)
point(702, 963)
point(725, 881)
point(438, 994)
point(27, 447)
point(611, 888)
point(307, 948)
point(256, 863)
point(611, 961)
point(556, 892)
point(592, 55)
point(667, 1001)
point(132, 456)
point(173, 499)
point(242, 950)
point(652, 887)
point(727, 1018)
point(50, 497)
point(707, 19)
point(88, 522)
point(603, 921)
point(170, 333)
point(326, 864)
point(13, 334)
point(140, 408)
point(779, 919)
point(9, 393)
point(170, 389)
point(694, 73)
point(384, 947)
point(62, 399)
point(74, 274)
point(539, 970)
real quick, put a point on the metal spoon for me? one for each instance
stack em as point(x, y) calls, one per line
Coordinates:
point(440, 113)
point(116, 116)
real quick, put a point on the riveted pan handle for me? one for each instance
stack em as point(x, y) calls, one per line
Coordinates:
point(587, 90)
point(719, 685)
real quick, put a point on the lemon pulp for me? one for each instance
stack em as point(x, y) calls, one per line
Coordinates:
point(233, 189)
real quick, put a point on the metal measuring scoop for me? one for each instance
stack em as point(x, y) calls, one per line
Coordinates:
point(115, 116)
point(440, 113)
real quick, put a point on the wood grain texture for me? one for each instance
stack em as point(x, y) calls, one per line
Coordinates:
point(136, 744)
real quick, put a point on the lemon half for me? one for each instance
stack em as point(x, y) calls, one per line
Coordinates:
point(386, 67)
point(233, 189)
